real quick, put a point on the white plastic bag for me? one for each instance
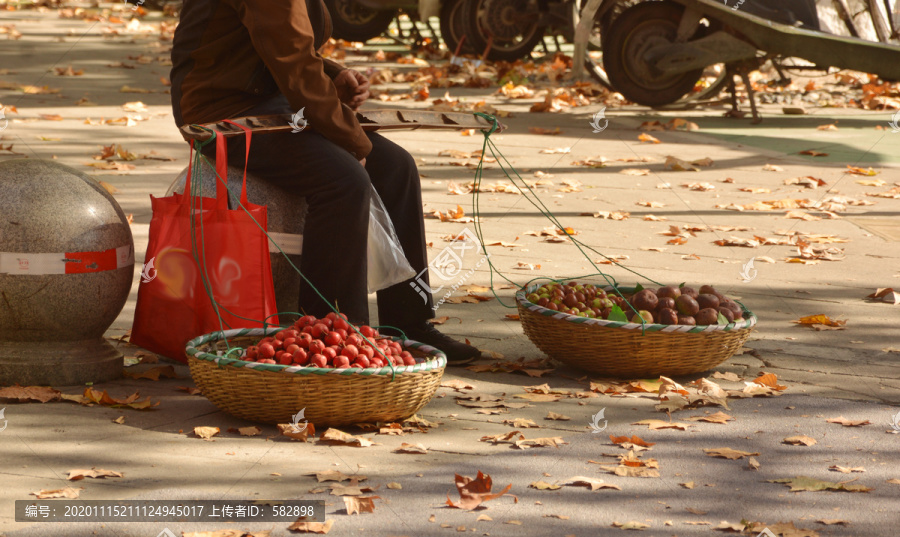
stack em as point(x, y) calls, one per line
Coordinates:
point(387, 265)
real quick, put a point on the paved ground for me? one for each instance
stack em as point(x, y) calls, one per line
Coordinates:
point(851, 373)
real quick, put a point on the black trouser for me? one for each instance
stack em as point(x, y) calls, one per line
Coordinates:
point(337, 191)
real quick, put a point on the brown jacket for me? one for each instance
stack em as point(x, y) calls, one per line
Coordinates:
point(230, 55)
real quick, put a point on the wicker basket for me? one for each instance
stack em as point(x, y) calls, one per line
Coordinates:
point(273, 393)
point(630, 350)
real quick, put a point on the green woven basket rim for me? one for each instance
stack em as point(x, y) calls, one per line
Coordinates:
point(748, 322)
point(438, 361)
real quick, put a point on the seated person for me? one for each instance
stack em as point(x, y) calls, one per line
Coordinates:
point(235, 58)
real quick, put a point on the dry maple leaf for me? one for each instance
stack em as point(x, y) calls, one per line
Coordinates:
point(800, 440)
point(206, 433)
point(555, 441)
point(809, 484)
point(311, 527)
point(335, 436)
point(848, 423)
point(593, 484)
point(67, 492)
point(76, 475)
point(635, 439)
point(474, 492)
point(295, 433)
point(728, 453)
point(654, 425)
point(360, 504)
point(846, 470)
point(630, 525)
point(644, 137)
point(554, 416)
point(718, 417)
point(103, 398)
point(154, 373)
point(417, 449)
point(23, 394)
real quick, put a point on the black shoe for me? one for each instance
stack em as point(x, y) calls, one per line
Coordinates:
point(457, 353)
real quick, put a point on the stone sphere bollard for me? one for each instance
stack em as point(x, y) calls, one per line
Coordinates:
point(66, 268)
point(287, 216)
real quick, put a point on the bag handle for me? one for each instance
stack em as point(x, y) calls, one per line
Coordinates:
point(187, 182)
point(221, 173)
point(248, 134)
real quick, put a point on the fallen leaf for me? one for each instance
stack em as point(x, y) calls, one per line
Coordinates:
point(631, 525)
point(638, 172)
point(813, 153)
point(554, 416)
point(457, 384)
point(543, 485)
point(311, 527)
point(688, 485)
point(165, 371)
point(67, 492)
point(833, 522)
point(809, 484)
point(728, 453)
point(718, 417)
point(800, 440)
point(521, 423)
point(335, 436)
point(769, 380)
point(847, 470)
point(206, 433)
point(417, 448)
point(296, 433)
point(644, 137)
point(94, 472)
point(654, 425)
point(555, 441)
point(854, 170)
point(635, 440)
point(752, 463)
point(248, 431)
point(820, 319)
point(360, 504)
point(474, 492)
point(103, 398)
point(334, 475)
point(24, 394)
point(593, 484)
point(772, 168)
point(848, 423)
point(729, 376)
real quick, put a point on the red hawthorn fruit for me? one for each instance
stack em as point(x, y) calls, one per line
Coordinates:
point(266, 350)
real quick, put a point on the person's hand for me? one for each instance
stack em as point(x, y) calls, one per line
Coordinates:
point(352, 87)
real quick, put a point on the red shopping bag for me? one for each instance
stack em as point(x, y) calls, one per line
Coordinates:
point(195, 241)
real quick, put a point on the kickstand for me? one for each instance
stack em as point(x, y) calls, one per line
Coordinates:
point(752, 96)
point(735, 107)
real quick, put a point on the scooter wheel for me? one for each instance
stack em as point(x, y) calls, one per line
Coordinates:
point(636, 30)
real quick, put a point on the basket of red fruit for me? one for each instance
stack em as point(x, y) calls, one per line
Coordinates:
point(673, 330)
point(338, 374)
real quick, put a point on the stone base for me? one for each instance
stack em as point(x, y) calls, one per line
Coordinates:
point(59, 363)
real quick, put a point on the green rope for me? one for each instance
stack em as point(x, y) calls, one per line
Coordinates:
point(196, 193)
point(529, 193)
